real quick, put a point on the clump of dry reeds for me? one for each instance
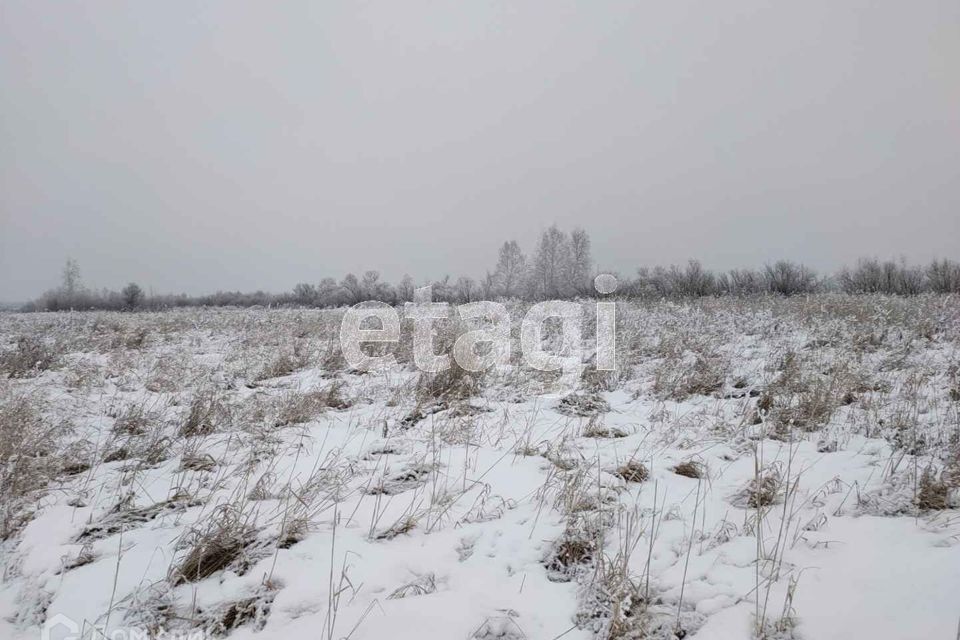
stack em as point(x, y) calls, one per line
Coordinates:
point(29, 357)
point(568, 554)
point(932, 491)
point(297, 407)
point(452, 384)
point(422, 586)
point(207, 413)
point(133, 421)
point(690, 469)
point(583, 404)
point(596, 429)
point(252, 611)
point(678, 378)
point(632, 471)
point(764, 489)
point(28, 458)
point(286, 362)
point(214, 548)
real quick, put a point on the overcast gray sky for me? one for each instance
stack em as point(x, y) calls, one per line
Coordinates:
point(242, 145)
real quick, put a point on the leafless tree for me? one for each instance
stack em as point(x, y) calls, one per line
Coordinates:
point(511, 270)
point(551, 264)
point(465, 289)
point(943, 276)
point(305, 293)
point(741, 282)
point(581, 262)
point(789, 278)
point(71, 278)
point(351, 287)
point(405, 289)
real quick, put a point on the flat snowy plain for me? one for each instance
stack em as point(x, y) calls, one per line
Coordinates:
point(775, 468)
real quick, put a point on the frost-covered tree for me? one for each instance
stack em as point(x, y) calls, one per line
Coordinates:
point(405, 289)
point(466, 289)
point(690, 281)
point(581, 262)
point(742, 282)
point(329, 293)
point(442, 291)
point(943, 276)
point(71, 283)
point(372, 288)
point(305, 293)
point(488, 287)
point(353, 292)
point(132, 295)
point(511, 271)
point(873, 276)
point(551, 265)
point(788, 278)
point(370, 285)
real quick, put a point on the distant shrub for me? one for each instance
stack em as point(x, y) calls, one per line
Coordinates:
point(873, 276)
point(132, 296)
point(561, 269)
point(943, 276)
point(789, 278)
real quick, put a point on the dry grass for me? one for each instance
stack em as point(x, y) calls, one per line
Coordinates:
point(286, 362)
point(764, 490)
point(569, 553)
point(132, 422)
point(230, 616)
point(678, 378)
point(29, 458)
point(298, 408)
point(400, 527)
point(691, 469)
point(207, 413)
point(932, 491)
point(214, 548)
point(198, 462)
point(583, 405)
point(422, 586)
point(29, 357)
point(811, 410)
point(294, 530)
point(452, 384)
point(596, 429)
point(125, 516)
point(409, 478)
point(632, 471)
point(714, 355)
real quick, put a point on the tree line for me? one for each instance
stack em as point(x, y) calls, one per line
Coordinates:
point(560, 267)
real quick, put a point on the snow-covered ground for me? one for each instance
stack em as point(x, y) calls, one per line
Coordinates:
point(770, 468)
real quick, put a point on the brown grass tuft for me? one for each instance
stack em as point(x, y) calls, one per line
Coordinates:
point(690, 469)
point(214, 549)
point(762, 491)
point(28, 459)
point(28, 358)
point(633, 471)
point(207, 412)
point(932, 492)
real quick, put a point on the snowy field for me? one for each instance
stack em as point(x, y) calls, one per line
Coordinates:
point(768, 468)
